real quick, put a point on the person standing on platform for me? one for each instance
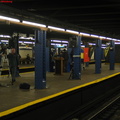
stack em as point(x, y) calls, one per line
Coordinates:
point(13, 58)
point(65, 61)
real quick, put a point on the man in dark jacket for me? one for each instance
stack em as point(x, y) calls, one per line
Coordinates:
point(13, 63)
point(65, 61)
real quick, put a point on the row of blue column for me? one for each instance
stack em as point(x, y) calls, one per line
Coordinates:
point(98, 56)
point(42, 58)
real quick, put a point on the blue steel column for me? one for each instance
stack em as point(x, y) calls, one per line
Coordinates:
point(112, 55)
point(77, 60)
point(69, 59)
point(98, 56)
point(48, 56)
point(40, 59)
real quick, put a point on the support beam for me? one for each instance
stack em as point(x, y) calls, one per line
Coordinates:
point(47, 59)
point(77, 60)
point(112, 55)
point(40, 59)
point(98, 56)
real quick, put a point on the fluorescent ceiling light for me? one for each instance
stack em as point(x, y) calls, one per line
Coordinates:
point(92, 44)
point(109, 38)
point(94, 36)
point(20, 41)
point(28, 38)
point(85, 34)
point(64, 41)
point(103, 47)
point(59, 41)
point(64, 44)
point(56, 41)
point(114, 39)
point(28, 42)
point(82, 45)
point(102, 37)
point(52, 43)
point(5, 36)
point(9, 18)
point(33, 23)
point(56, 28)
point(4, 40)
point(22, 38)
point(118, 43)
point(57, 44)
point(72, 31)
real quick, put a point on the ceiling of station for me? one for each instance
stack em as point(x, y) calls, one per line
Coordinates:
point(102, 16)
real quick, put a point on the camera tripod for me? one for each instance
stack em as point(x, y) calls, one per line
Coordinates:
point(73, 75)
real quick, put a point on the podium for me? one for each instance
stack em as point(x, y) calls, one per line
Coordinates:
point(58, 65)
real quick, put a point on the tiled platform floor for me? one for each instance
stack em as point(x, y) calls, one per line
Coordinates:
point(12, 96)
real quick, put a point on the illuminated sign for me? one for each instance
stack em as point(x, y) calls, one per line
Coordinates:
point(6, 1)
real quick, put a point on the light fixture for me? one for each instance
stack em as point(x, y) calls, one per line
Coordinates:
point(92, 44)
point(109, 38)
point(9, 18)
point(33, 23)
point(82, 45)
point(20, 41)
point(56, 28)
point(52, 43)
point(118, 43)
point(64, 44)
point(5, 36)
point(84, 34)
point(72, 31)
point(28, 42)
point(114, 39)
point(4, 40)
point(103, 47)
point(27, 38)
point(102, 37)
point(96, 36)
point(56, 41)
point(57, 44)
point(64, 41)
point(52, 27)
point(118, 40)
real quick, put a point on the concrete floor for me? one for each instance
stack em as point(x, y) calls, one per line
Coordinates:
point(12, 96)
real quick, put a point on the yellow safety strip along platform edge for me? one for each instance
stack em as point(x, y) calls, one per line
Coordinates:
point(15, 109)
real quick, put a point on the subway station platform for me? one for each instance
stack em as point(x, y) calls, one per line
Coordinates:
point(11, 96)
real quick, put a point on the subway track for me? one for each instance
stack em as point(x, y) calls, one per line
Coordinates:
point(107, 109)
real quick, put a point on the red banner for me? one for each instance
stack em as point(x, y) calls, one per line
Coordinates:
point(86, 55)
